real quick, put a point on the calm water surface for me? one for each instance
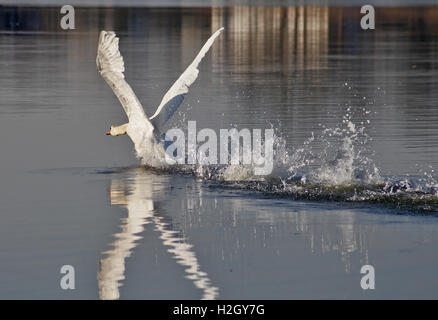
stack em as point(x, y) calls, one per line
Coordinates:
point(69, 195)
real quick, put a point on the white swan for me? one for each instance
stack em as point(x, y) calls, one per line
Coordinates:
point(144, 132)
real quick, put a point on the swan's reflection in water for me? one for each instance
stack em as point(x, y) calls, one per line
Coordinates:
point(249, 244)
point(137, 194)
point(139, 191)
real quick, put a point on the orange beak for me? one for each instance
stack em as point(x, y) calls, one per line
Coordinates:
point(108, 133)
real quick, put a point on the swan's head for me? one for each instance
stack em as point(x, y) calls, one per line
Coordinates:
point(117, 130)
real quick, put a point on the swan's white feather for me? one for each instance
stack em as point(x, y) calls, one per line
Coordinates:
point(111, 66)
point(174, 97)
point(140, 129)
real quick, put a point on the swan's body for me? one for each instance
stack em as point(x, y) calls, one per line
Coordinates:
point(144, 132)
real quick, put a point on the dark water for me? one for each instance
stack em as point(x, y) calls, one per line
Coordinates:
point(69, 195)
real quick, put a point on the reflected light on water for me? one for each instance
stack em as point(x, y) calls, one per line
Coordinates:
point(260, 37)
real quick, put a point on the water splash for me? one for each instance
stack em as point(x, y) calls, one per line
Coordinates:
point(347, 156)
point(335, 164)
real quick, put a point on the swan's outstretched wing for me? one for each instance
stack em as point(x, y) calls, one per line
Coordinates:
point(111, 67)
point(175, 96)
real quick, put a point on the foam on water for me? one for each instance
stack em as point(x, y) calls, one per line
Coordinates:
point(335, 164)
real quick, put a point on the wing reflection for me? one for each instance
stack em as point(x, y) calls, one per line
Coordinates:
point(136, 193)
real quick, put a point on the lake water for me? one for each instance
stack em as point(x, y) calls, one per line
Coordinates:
point(355, 115)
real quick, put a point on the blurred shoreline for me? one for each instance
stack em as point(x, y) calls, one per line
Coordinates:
point(336, 20)
point(218, 3)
